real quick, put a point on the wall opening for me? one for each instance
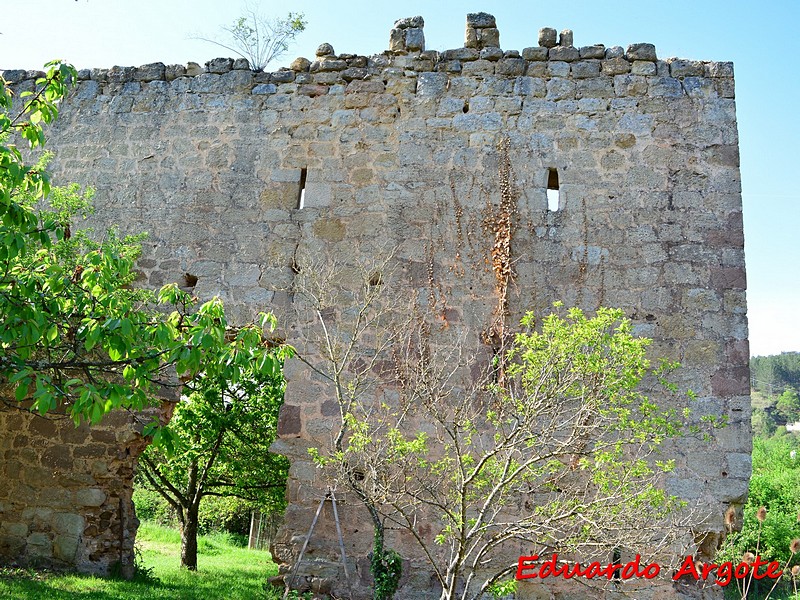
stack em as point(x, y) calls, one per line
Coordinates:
point(552, 190)
point(301, 195)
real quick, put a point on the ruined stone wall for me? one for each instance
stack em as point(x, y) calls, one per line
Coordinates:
point(65, 492)
point(399, 151)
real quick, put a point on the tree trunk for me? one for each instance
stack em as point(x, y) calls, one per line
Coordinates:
point(189, 538)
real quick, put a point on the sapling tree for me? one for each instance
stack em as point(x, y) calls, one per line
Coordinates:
point(222, 433)
point(258, 38)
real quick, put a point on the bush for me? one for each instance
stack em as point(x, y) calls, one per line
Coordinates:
point(151, 506)
point(775, 484)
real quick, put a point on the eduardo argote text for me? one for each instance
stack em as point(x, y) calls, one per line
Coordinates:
point(529, 567)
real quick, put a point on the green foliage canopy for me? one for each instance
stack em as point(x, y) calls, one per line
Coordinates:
point(75, 335)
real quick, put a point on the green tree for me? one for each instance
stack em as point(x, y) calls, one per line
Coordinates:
point(222, 433)
point(76, 335)
point(788, 405)
point(764, 424)
point(774, 484)
point(258, 38)
point(563, 420)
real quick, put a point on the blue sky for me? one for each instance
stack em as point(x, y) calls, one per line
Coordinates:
point(758, 37)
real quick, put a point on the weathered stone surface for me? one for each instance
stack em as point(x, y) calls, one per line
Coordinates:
point(219, 65)
point(14, 75)
point(480, 20)
point(643, 67)
point(641, 52)
point(461, 54)
point(564, 53)
point(489, 37)
point(397, 40)
point(300, 64)
point(415, 39)
point(241, 64)
point(410, 22)
point(193, 69)
point(324, 50)
point(151, 72)
point(289, 420)
point(535, 53)
point(547, 37)
point(565, 38)
point(492, 53)
point(686, 68)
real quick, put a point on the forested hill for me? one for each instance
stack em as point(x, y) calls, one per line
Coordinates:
point(772, 374)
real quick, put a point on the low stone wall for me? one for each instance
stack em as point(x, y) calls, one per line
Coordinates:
point(65, 492)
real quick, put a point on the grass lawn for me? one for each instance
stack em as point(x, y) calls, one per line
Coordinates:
point(225, 571)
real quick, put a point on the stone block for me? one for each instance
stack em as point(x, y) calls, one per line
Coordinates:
point(461, 54)
point(560, 89)
point(565, 38)
point(39, 545)
point(595, 51)
point(643, 67)
point(118, 74)
point(492, 53)
point(415, 39)
point(65, 547)
point(615, 52)
point(599, 87)
point(478, 67)
point(219, 65)
point(616, 66)
point(289, 420)
point(489, 37)
point(547, 37)
point(686, 68)
point(324, 49)
point(530, 86)
point(264, 89)
point(480, 20)
point(630, 85)
point(535, 53)
point(557, 69)
point(511, 67)
point(564, 53)
point(416, 22)
point(151, 72)
point(720, 69)
point(14, 76)
point(431, 84)
point(665, 87)
point(365, 87)
point(641, 52)
point(584, 69)
point(68, 523)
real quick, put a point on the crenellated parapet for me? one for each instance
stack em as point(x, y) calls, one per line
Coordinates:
point(594, 71)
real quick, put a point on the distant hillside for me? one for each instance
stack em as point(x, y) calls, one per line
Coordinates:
point(770, 375)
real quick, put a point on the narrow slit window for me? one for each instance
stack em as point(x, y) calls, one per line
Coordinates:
point(552, 190)
point(301, 196)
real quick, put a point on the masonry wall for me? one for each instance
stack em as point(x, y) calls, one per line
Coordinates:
point(399, 151)
point(65, 496)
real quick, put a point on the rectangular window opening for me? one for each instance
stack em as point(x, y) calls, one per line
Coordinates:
point(301, 197)
point(552, 190)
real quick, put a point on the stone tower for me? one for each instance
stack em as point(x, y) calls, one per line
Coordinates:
point(233, 173)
